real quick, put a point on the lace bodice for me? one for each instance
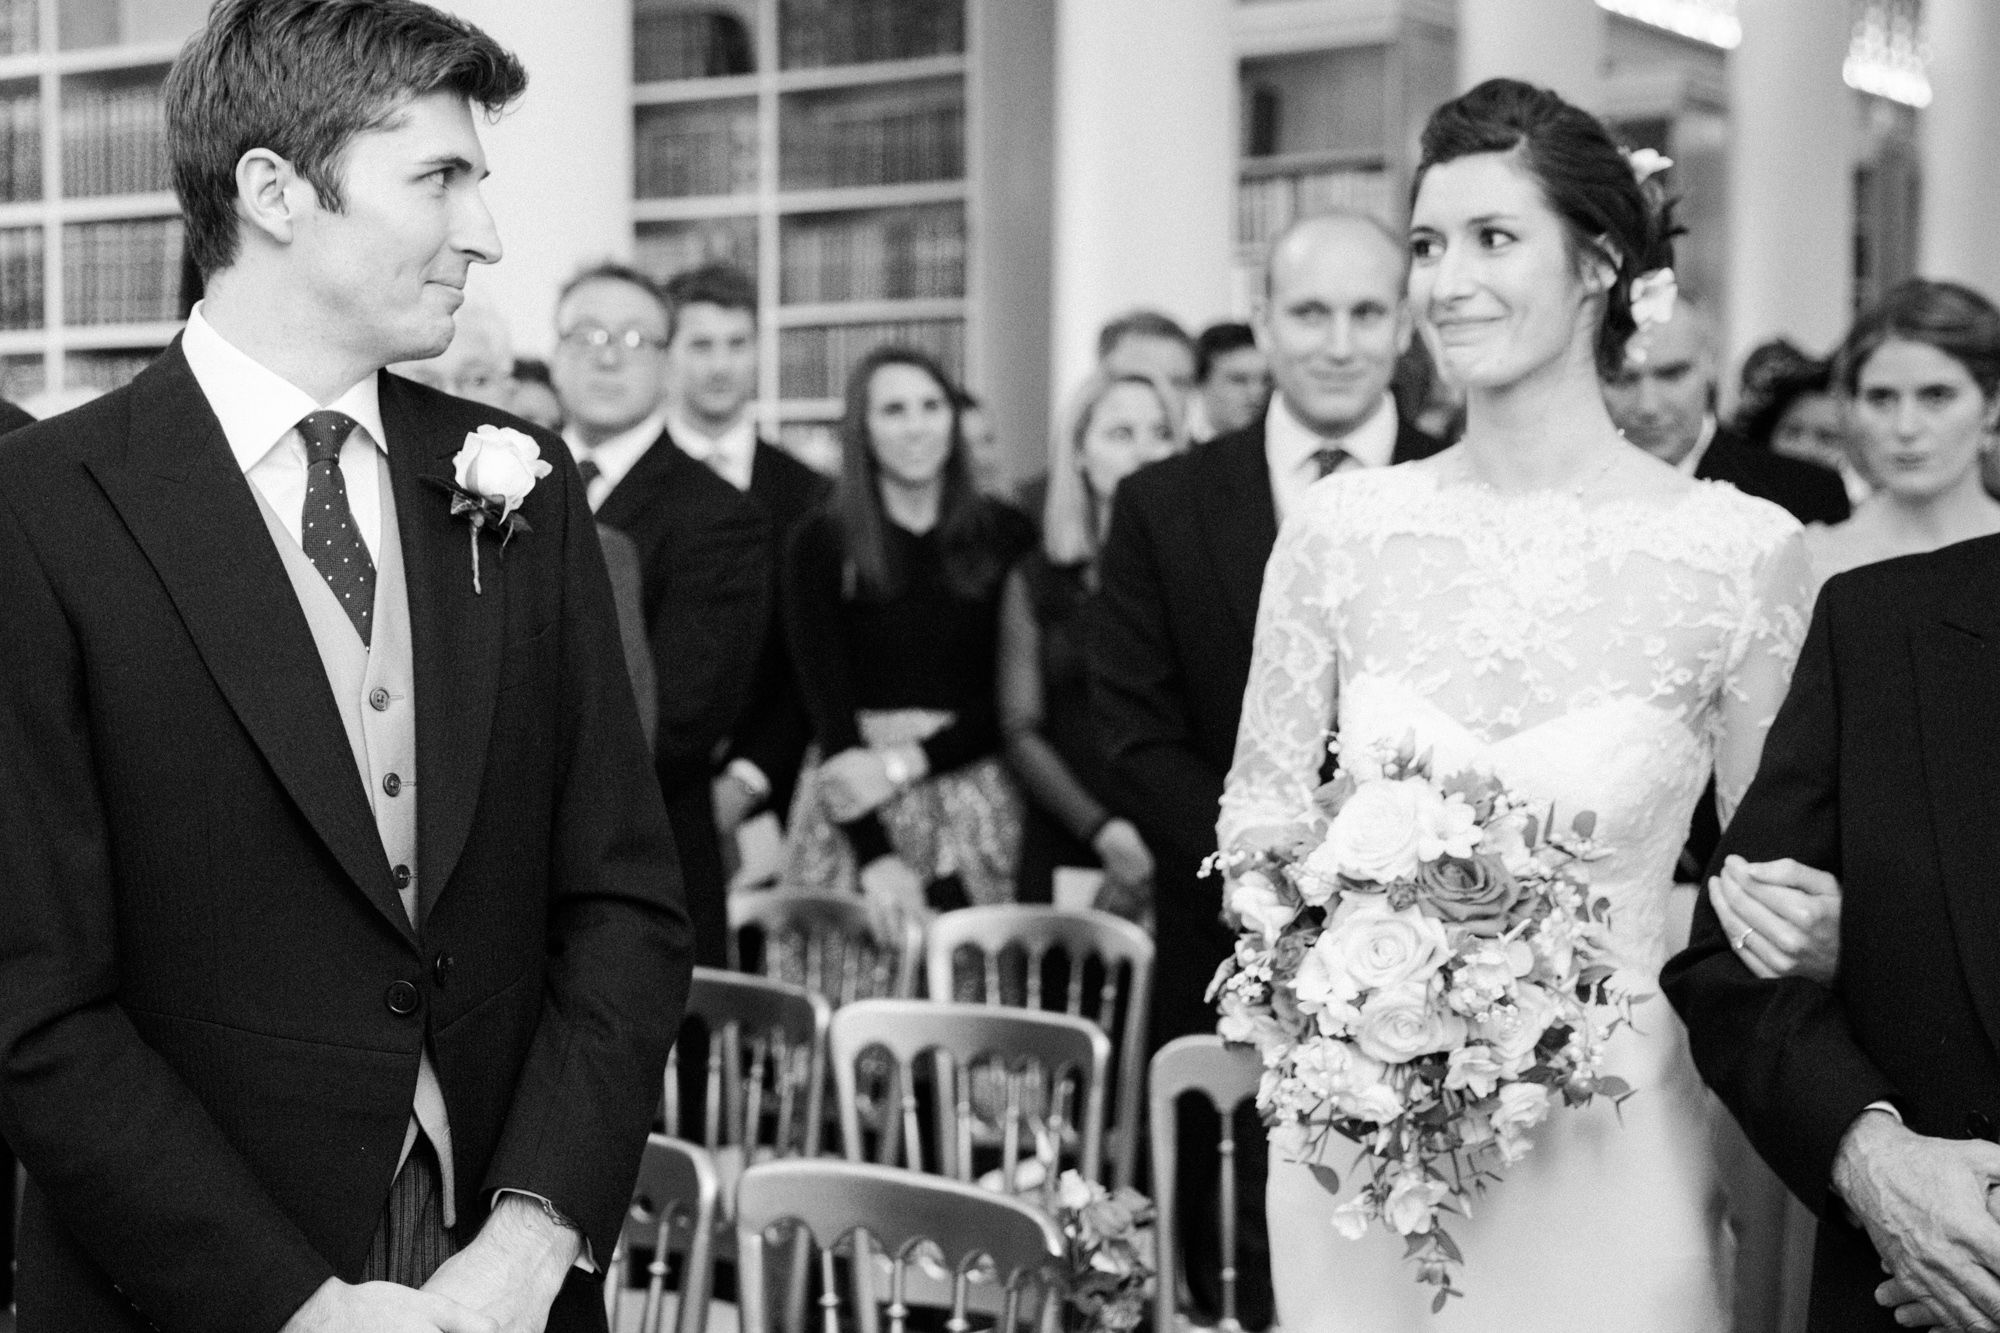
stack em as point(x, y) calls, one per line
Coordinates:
point(1602, 656)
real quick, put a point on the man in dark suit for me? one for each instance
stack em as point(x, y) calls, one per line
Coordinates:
point(705, 551)
point(343, 941)
point(1180, 575)
point(11, 418)
point(1877, 1098)
point(1663, 399)
point(711, 380)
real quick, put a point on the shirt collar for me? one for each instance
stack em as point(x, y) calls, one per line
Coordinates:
point(257, 406)
point(736, 442)
point(1701, 443)
point(1292, 443)
point(616, 455)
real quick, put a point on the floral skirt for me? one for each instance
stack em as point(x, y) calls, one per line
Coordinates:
point(966, 822)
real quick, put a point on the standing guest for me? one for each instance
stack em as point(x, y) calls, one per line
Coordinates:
point(1146, 341)
point(892, 601)
point(982, 446)
point(1662, 397)
point(711, 380)
point(11, 418)
point(705, 555)
point(1117, 425)
point(335, 994)
point(1232, 379)
point(1786, 403)
point(1922, 375)
point(535, 394)
point(1170, 651)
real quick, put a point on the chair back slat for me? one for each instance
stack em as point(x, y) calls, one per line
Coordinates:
point(1087, 940)
point(1228, 1077)
point(675, 1206)
point(765, 1066)
point(823, 941)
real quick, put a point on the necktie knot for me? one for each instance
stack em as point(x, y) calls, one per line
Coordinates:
point(1328, 458)
point(589, 470)
point(324, 434)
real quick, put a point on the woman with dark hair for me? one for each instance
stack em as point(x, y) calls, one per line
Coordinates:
point(1787, 404)
point(1921, 372)
point(1549, 603)
point(891, 599)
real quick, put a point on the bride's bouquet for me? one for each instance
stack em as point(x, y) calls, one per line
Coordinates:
point(1427, 979)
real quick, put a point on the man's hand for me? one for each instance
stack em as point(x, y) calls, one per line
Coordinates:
point(1923, 1202)
point(512, 1272)
point(1782, 918)
point(734, 802)
point(383, 1307)
point(1128, 869)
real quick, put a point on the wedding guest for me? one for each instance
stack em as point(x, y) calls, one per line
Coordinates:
point(982, 446)
point(1663, 398)
point(1116, 425)
point(535, 394)
point(711, 384)
point(478, 364)
point(1169, 651)
point(1787, 403)
point(1233, 380)
point(1148, 341)
point(335, 995)
point(892, 597)
point(1921, 372)
point(705, 552)
point(11, 417)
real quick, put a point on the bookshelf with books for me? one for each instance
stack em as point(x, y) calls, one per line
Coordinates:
point(838, 150)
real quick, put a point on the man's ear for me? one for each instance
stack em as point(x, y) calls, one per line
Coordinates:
point(270, 194)
point(1406, 326)
point(1260, 322)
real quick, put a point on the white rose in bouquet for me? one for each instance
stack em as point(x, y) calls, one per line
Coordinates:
point(1370, 945)
point(1377, 833)
point(1412, 1203)
point(1402, 1023)
point(1261, 905)
point(1513, 1030)
point(1521, 1107)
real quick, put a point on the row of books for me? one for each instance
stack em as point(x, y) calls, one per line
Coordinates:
point(20, 148)
point(912, 253)
point(829, 143)
point(114, 141)
point(21, 278)
point(126, 272)
point(20, 26)
point(678, 41)
point(1266, 205)
point(683, 151)
point(663, 249)
point(816, 33)
point(814, 362)
point(105, 370)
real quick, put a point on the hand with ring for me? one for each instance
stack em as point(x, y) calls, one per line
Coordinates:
point(1782, 919)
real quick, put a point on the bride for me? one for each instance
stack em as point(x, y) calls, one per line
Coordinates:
point(1549, 603)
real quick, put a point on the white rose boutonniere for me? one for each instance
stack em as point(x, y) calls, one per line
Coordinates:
point(492, 474)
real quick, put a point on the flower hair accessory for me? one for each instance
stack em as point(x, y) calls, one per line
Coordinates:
point(1647, 163)
point(1653, 296)
point(492, 474)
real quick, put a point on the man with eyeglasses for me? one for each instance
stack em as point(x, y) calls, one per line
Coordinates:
point(706, 554)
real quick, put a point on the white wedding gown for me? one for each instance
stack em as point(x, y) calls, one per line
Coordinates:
point(1601, 656)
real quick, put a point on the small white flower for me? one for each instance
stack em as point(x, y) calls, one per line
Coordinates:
point(1647, 163)
point(1261, 906)
point(1351, 1218)
point(1411, 1207)
point(500, 464)
point(1653, 297)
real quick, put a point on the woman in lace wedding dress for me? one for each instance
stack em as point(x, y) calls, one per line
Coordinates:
point(1549, 603)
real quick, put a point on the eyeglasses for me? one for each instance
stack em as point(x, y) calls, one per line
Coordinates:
point(595, 338)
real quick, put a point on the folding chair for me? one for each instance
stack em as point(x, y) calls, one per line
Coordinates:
point(1228, 1077)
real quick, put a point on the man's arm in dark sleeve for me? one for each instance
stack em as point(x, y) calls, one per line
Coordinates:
point(620, 944)
point(1137, 692)
point(126, 1154)
point(1781, 1054)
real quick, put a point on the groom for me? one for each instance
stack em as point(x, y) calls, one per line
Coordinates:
point(1878, 1099)
point(342, 937)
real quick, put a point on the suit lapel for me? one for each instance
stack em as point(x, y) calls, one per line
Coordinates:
point(455, 633)
point(189, 507)
point(1957, 662)
point(1241, 523)
point(627, 500)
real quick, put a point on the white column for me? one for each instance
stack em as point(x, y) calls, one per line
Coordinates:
point(1791, 177)
point(1145, 167)
point(1557, 44)
point(1961, 190)
point(561, 189)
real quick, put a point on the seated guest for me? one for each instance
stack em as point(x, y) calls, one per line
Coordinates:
point(1233, 380)
point(1117, 425)
point(1663, 400)
point(1922, 375)
point(892, 601)
point(1787, 404)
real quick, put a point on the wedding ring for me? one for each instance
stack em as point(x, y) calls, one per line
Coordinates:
point(1742, 939)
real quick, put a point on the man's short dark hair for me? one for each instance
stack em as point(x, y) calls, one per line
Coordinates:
point(1219, 340)
point(616, 272)
point(302, 78)
point(1140, 324)
point(716, 284)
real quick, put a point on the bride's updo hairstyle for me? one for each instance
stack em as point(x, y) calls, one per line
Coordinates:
point(1583, 175)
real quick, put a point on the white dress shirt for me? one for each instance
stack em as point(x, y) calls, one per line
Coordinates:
point(260, 411)
point(617, 455)
point(1700, 451)
point(1289, 446)
point(733, 454)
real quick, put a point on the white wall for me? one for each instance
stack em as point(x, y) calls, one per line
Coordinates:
point(1557, 44)
point(1961, 189)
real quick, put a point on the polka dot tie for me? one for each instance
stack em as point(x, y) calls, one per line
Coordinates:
point(327, 529)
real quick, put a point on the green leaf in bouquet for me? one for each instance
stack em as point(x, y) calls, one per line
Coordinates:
point(1449, 1247)
point(1584, 825)
point(1328, 1178)
point(1438, 1301)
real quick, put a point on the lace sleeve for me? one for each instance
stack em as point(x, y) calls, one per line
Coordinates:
point(1776, 599)
point(1288, 706)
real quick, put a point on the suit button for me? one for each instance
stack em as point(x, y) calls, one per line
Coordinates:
point(441, 967)
point(402, 998)
point(1979, 1125)
point(401, 873)
point(378, 699)
point(392, 784)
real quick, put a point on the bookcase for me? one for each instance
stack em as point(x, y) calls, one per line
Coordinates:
point(836, 150)
point(90, 237)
